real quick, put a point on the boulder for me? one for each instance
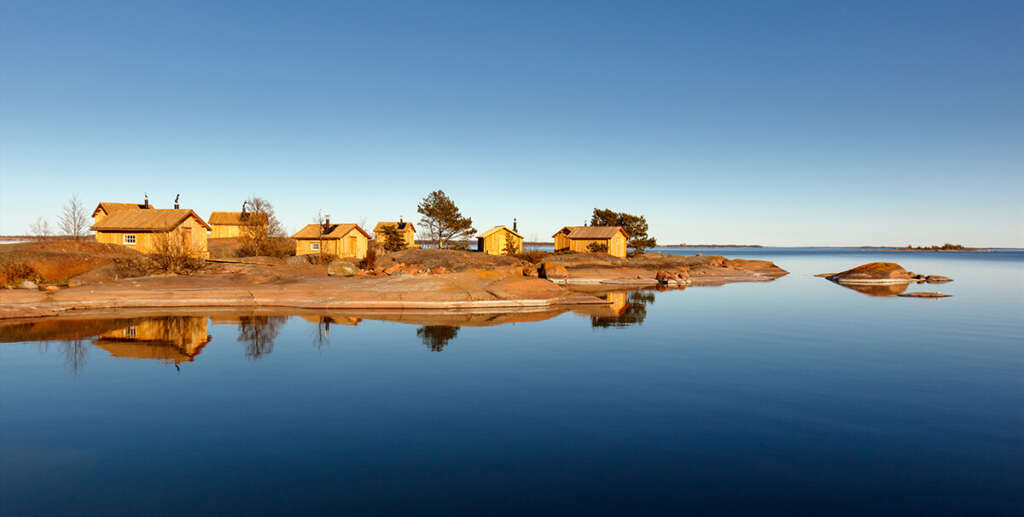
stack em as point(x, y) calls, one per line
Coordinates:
point(297, 260)
point(530, 271)
point(27, 284)
point(553, 271)
point(341, 268)
point(439, 270)
point(52, 288)
point(665, 278)
point(873, 273)
point(937, 279)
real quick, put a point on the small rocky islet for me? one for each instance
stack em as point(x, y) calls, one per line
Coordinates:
point(885, 279)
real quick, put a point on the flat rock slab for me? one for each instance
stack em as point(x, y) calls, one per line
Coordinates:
point(924, 295)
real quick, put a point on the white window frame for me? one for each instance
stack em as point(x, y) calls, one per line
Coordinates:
point(130, 239)
point(314, 246)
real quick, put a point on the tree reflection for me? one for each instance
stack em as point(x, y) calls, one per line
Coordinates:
point(437, 336)
point(75, 354)
point(631, 309)
point(258, 333)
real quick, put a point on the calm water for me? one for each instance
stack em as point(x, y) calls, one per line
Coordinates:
point(792, 397)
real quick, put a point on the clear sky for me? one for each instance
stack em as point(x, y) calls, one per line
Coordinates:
point(777, 123)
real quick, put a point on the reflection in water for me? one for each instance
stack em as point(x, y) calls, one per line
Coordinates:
point(323, 327)
point(625, 309)
point(258, 333)
point(75, 354)
point(171, 339)
point(437, 336)
point(877, 289)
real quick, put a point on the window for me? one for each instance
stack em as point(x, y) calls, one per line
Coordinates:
point(129, 238)
point(131, 332)
point(314, 246)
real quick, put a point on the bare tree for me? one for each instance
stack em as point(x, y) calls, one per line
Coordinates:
point(40, 229)
point(261, 231)
point(74, 220)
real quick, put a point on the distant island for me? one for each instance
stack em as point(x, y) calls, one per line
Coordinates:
point(711, 246)
point(944, 247)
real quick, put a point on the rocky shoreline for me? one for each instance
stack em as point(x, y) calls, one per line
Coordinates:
point(430, 280)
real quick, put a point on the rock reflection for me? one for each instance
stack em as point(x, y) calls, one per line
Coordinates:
point(435, 337)
point(626, 309)
point(258, 333)
point(876, 289)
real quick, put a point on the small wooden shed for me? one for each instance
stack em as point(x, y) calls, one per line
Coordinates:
point(579, 238)
point(494, 241)
point(145, 230)
point(107, 208)
point(228, 225)
point(340, 240)
point(407, 231)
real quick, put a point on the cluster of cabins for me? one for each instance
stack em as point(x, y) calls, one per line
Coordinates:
point(146, 229)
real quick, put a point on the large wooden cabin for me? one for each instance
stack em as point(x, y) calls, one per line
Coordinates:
point(579, 239)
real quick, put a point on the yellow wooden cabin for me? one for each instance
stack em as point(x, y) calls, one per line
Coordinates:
point(106, 208)
point(406, 230)
point(494, 241)
point(340, 240)
point(579, 238)
point(145, 230)
point(229, 225)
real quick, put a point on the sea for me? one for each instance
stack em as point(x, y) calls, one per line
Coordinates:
point(792, 397)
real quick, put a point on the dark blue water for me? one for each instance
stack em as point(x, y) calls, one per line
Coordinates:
point(791, 397)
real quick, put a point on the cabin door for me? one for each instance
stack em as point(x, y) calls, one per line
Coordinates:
point(350, 246)
point(186, 239)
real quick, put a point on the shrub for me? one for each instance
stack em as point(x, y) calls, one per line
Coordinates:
point(597, 247)
point(371, 258)
point(533, 257)
point(172, 257)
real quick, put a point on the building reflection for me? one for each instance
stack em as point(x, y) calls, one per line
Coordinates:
point(625, 309)
point(436, 337)
point(171, 339)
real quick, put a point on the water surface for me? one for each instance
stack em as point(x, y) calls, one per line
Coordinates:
point(796, 396)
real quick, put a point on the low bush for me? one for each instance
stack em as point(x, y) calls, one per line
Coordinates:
point(371, 258)
point(532, 257)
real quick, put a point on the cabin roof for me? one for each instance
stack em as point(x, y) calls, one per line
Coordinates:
point(335, 231)
point(149, 220)
point(110, 208)
point(236, 219)
point(591, 232)
point(496, 229)
point(401, 226)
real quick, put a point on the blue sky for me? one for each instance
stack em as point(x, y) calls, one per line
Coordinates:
point(778, 123)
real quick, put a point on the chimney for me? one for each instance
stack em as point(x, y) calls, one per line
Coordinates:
point(327, 223)
point(176, 198)
point(515, 226)
point(145, 204)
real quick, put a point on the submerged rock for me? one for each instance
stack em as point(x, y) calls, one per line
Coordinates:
point(924, 295)
point(937, 279)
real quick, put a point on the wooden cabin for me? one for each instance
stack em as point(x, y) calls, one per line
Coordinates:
point(493, 241)
point(230, 225)
point(406, 230)
point(340, 240)
point(106, 208)
point(579, 238)
point(144, 230)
